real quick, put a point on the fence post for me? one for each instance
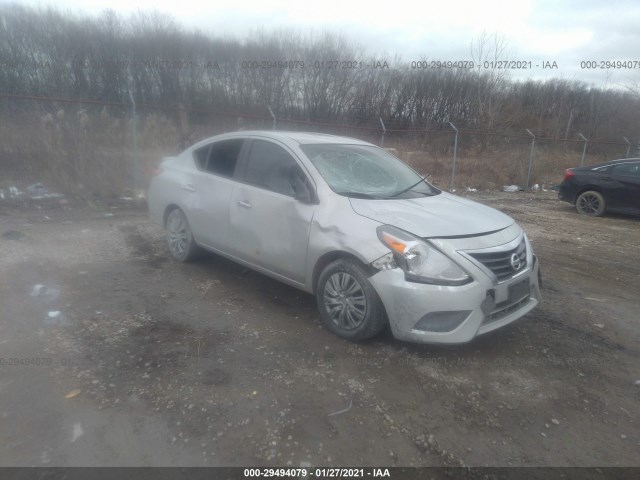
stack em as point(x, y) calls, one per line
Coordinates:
point(273, 126)
point(134, 132)
point(584, 150)
point(626, 155)
point(384, 130)
point(455, 156)
point(533, 147)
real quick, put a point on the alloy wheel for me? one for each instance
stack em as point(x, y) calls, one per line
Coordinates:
point(589, 203)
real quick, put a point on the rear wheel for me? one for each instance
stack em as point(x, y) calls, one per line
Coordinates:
point(349, 305)
point(590, 203)
point(179, 237)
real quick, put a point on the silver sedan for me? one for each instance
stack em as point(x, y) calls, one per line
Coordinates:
point(376, 243)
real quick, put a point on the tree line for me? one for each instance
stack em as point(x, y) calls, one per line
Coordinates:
point(324, 77)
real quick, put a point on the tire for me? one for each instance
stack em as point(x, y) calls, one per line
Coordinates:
point(590, 203)
point(179, 237)
point(349, 305)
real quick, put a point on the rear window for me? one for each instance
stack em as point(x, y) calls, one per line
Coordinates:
point(220, 157)
point(200, 156)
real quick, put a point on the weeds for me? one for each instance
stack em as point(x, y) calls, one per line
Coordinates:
point(90, 154)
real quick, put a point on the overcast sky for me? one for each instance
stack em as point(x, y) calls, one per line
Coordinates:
point(565, 32)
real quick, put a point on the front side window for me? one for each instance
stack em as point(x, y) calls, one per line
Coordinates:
point(366, 171)
point(272, 167)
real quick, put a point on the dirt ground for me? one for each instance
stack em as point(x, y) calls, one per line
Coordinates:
point(111, 353)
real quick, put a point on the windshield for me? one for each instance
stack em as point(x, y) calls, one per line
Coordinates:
point(366, 171)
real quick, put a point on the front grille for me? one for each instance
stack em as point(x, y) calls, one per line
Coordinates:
point(500, 263)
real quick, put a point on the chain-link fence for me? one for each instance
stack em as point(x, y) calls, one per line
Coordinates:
point(103, 148)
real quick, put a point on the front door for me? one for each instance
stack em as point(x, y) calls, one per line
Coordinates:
point(268, 227)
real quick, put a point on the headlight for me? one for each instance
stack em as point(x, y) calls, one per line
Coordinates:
point(420, 261)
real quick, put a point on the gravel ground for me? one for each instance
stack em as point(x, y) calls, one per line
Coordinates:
point(114, 354)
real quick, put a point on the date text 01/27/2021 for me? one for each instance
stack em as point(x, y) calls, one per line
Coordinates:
point(325, 472)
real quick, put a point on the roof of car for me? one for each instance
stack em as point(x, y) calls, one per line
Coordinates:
point(611, 162)
point(297, 137)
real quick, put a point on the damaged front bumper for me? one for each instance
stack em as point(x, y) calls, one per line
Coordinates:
point(426, 313)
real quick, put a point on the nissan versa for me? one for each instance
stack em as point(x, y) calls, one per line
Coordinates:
point(347, 221)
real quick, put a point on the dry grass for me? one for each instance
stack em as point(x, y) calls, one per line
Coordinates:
point(81, 154)
point(492, 169)
point(92, 154)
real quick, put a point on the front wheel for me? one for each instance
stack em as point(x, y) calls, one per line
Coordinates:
point(590, 203)
point(179, 237)
point(349, 305)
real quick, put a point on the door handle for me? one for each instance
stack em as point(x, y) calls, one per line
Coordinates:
point(607, 178)
point(188, 187)
point(245, 204)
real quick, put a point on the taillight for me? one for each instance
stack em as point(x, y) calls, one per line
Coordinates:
point(568, 175)
point(155, 172)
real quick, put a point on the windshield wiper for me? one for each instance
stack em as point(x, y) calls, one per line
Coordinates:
point(360, 195)
point(422, 179)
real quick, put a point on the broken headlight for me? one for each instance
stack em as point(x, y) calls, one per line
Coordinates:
point(421, 261)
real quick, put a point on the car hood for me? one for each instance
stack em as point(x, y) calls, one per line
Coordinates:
point(442, 215)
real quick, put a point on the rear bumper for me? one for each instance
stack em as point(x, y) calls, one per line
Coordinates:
point(567, 193)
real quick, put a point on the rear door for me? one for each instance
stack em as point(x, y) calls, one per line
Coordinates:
point(268, 227)
point(210, 191)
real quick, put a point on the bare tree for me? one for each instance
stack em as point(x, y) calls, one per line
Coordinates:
point(488, 52)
